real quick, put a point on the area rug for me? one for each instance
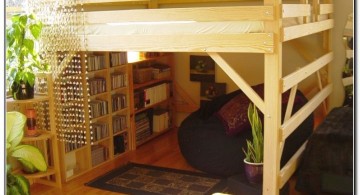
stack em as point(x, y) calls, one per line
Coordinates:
point(141, 179)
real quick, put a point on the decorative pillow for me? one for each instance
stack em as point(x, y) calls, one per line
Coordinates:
point(233, 114)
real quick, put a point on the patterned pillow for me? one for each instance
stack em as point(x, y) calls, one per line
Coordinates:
point(233, 114)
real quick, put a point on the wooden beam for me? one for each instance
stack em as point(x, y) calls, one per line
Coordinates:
point(246, 42)
point(290, 125)
point(198, 14)
point(299, 75)
point(272, 99)
point(198, 1)
point(239, 81)
point(326, 9)
point(290, 167)
point(293, 32)
point(295, 10)
point(290, 103)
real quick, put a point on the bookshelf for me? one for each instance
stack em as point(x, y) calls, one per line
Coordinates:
point(109, 116)
point(45, 127)
point(151, 109)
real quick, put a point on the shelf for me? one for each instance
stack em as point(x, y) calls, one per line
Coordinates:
point(37, 98)
point(107, 138)
point(119, 111)
point(98, 118)
point(119, 89)
point(44, 135)
point(98, 95)
point(97, 71)
point(152, 106)
point(120, 132)
point(76, 150)
point(118, 66)
point(153, 136)
point(138, 86)
point(50, 171)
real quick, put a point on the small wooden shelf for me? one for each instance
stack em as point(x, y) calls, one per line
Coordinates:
point(44, 135)
point(37, 98)
point(50, 171)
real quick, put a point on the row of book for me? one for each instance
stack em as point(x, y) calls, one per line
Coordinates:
point(95, 62)
point(99, 154)
point(73, 141)
point(119, 123)
point(118, 102)
point(99, 131)
point(161, 120)
point(97, 85)
point(155, 94)
point(142, 125)
point(118, 58)
point(120, 143)
point(98, 108)
point(119, 80)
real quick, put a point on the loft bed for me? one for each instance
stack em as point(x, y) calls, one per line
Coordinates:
point(258, 27)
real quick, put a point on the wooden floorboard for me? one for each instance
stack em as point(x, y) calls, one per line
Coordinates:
point(162, 151)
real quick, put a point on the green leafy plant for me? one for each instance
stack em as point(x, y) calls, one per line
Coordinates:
point(30, 157)
point(255, 149)
point(22, 57)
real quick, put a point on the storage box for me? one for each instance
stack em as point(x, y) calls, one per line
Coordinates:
point(142, 75)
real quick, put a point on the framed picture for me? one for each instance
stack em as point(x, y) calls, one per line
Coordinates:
point(211, 90)
point(202, 68)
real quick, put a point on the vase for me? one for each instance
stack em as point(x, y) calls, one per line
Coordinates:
point(22, 91)
point(253, 172)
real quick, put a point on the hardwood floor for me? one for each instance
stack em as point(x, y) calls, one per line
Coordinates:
point(162, 151)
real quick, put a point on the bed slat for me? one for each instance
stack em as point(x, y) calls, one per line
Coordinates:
point(299, 75)
point(295, 10)
point(326, 9)
point(302, 30)
point(247, 42)
point(200, 14)
point(290, 125)
point(239, 81)
point(290, 167)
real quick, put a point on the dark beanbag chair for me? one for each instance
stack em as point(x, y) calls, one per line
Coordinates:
point(206, 146)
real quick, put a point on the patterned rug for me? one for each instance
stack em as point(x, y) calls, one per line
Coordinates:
point(150, 180)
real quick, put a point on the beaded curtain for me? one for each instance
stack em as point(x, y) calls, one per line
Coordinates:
point(61, 38)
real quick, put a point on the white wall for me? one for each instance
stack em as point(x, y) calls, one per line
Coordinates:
point(342, 9)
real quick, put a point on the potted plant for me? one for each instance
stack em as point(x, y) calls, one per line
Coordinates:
point(30, 157)
point(255, 149)
point(22, 57)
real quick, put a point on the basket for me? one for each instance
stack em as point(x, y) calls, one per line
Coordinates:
point(142, 75)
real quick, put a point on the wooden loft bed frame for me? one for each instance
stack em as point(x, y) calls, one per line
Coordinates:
point(269, 42)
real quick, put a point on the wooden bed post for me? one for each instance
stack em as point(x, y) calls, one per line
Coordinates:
point(272, 115)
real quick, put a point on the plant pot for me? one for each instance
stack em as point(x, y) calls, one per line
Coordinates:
point(253, 172)
point(22, 91)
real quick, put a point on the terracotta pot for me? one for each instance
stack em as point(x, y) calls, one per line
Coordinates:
point(254, 172)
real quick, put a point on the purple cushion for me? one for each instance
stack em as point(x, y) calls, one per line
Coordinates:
point(233, 114)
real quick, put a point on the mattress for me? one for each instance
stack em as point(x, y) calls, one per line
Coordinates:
point(180, 27)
